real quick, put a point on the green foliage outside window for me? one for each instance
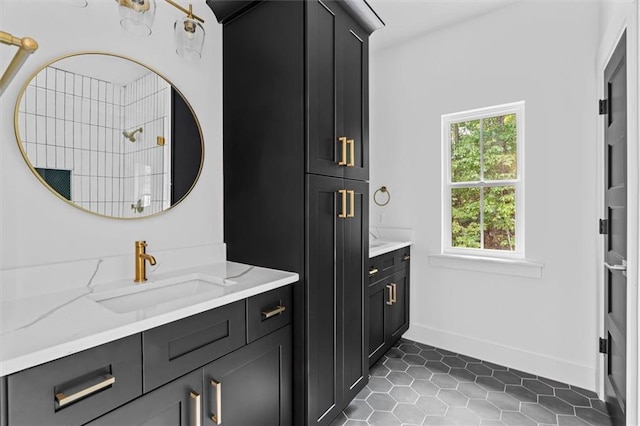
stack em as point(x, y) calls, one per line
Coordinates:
point(484, 151)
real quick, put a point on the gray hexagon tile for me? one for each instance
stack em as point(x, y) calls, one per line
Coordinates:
point(418, 384)
point(381, 401)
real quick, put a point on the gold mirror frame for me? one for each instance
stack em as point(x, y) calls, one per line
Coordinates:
point(20, 142)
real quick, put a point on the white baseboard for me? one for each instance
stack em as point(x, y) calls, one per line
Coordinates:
point(530, 362)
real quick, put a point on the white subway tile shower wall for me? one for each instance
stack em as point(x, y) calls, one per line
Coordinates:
point(83, 118)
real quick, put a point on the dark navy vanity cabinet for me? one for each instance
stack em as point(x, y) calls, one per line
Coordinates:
point(231, 364)
point(388, 300)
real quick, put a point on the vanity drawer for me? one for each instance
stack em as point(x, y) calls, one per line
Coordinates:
point(176, 348)
point(268, 312)
point(388, 263)
point(77, 388)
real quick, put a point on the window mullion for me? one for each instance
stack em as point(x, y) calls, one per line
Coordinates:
point(481, 189)
point(481, 150)
point(481, 218)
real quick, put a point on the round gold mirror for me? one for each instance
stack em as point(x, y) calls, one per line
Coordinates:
point(109, 135)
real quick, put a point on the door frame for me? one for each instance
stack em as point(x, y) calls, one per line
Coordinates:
point(624, 20)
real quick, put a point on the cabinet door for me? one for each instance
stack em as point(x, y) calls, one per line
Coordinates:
point(398, 312)
point(251, 386)
point(323, 145)
point(352, 89)
point(378, 298)
point(355, 259)
point(337, 83)
point(388, 311)
point(324, 344)
point(175, 404)
point(337, 246)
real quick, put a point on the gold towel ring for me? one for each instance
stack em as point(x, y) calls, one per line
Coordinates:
point(384, 190)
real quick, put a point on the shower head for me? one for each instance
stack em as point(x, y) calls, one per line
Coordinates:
point(131, 135)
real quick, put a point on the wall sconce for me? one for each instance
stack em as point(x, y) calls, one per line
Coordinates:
point(188, 33)
point(136, 16)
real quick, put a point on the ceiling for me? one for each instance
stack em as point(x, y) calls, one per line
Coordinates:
point(407, 19)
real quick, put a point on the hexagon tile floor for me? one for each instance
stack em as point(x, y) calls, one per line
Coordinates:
point(416, 384)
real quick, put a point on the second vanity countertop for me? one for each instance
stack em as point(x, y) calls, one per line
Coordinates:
point(39, 329)
point(378, 247)
point(384, 240)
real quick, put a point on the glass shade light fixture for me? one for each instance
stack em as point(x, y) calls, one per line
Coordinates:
point(136, 16)
point(188, 33)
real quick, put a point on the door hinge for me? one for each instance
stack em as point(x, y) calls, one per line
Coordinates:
point(602, 345)
point(603, 226)
point(603, 106)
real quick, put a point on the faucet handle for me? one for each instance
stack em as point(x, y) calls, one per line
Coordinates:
point(141, 243)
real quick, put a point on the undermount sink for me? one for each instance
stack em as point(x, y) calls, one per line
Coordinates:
point(169, 292)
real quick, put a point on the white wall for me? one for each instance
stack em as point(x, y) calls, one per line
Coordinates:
point(542, 53)
point(38, 228)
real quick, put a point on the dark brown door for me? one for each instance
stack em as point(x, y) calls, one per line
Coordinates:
point(615, 240)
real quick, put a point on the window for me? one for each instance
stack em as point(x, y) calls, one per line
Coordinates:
point(483, 200)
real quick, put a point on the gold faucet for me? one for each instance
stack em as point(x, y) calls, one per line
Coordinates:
point(141, 258)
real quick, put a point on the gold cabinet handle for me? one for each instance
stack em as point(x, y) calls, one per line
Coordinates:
point(275, 311)
point(102, 382)
point(352, 161)
point(394, 293)
point(343, 192)
point(352, 203)
point(195, 400)
point(373, 272)
point(344, 142)
point(217, 389)
point(390, 299)
point(406, 257)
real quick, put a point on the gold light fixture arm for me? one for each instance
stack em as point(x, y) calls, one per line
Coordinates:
point(189, 11)
point(26, 46)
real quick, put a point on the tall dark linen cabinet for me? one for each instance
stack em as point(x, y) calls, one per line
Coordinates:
point(296, 166)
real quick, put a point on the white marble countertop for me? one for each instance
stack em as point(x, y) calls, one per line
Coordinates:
point(38, 329)
point(378, 247)
point(383, 240)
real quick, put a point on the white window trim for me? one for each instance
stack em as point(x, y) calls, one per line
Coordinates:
point(447, 119)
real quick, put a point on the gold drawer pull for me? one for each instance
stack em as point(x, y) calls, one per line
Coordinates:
point(343, 213)
point(272, 313)
point(406, 257)
point(352, 203)
point(195, 399)
point(351, 162)
point(394, 294)
point(344, 142)
point(217, 388)
point(105, 380)
point(373, 272)
point(390, 299)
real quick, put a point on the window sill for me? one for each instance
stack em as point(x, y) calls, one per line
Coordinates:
point(492, 265)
